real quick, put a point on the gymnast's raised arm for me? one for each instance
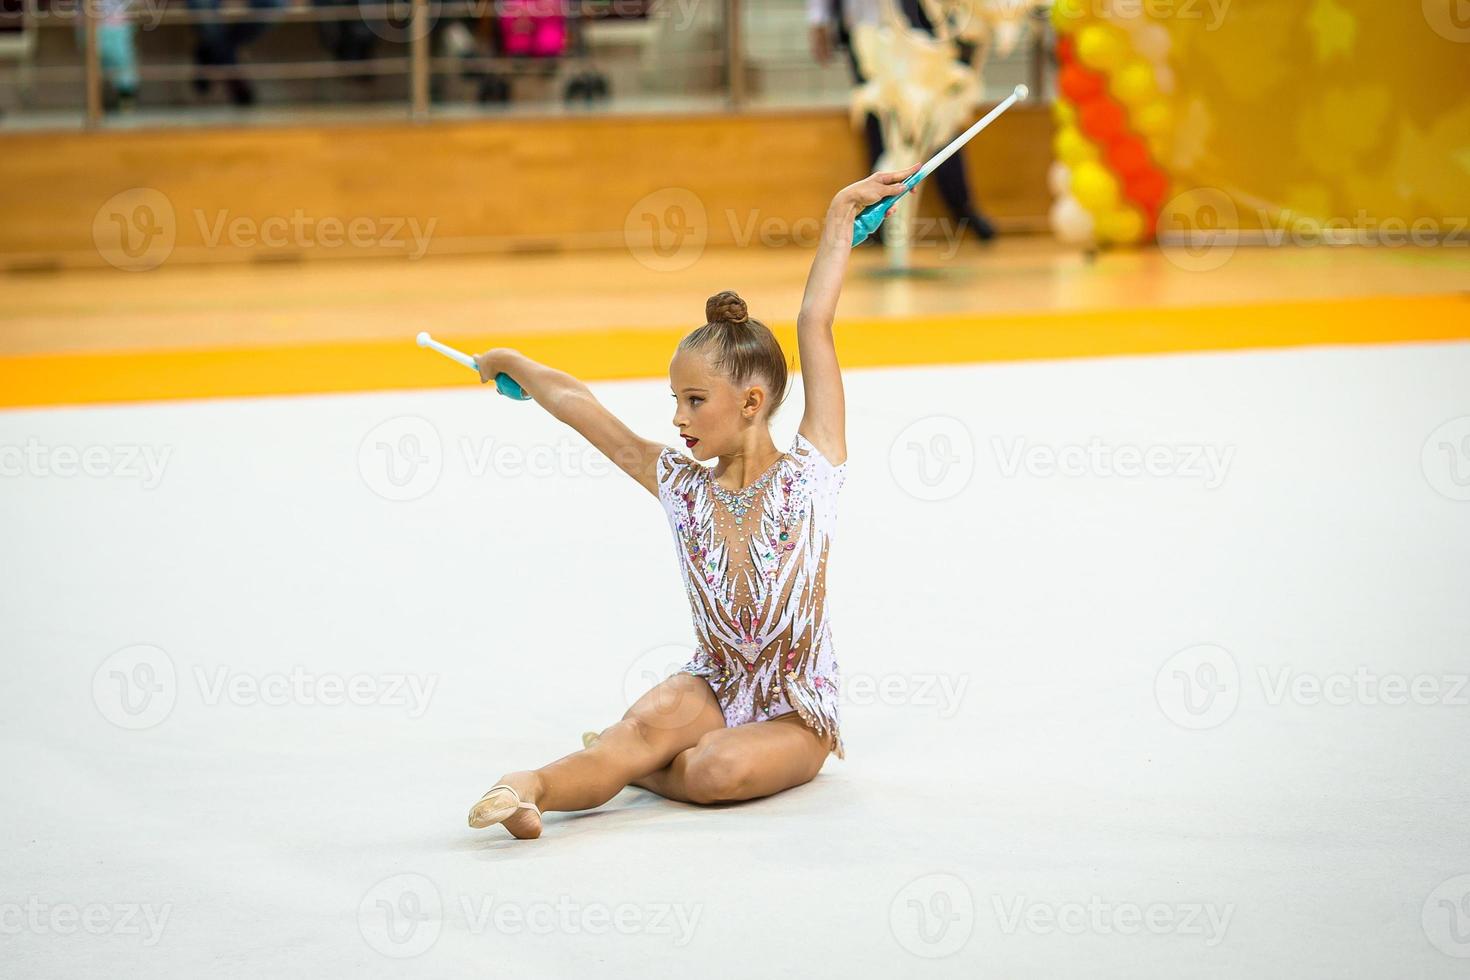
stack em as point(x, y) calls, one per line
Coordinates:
point(572, 402)
point(824, 422)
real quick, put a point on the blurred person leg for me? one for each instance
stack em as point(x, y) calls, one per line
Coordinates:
point(219, 45)
point(350, 39)
point(119, 58)
point(951, 177)
point(117, 54)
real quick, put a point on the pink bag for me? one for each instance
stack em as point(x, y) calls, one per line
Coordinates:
point(531, 28)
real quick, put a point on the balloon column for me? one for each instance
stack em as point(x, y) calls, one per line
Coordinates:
point(1112, 126)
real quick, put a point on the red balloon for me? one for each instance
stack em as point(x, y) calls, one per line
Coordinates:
point(1128, 157)
point(1148, 189)
point(1079, 85)
point(1066, 50)
point(1102, 120)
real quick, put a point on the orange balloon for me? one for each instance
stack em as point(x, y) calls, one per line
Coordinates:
point(1129, 157)
point(1080, 85)
point(1148, 189)
point(1102, 120)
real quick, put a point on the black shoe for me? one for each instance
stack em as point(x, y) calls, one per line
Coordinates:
point(983, 229)
point(200, 82)
point(242, 93)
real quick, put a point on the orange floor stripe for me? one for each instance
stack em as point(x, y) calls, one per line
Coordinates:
point(131, 376)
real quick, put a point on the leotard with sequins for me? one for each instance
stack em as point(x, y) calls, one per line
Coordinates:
point(754, 565)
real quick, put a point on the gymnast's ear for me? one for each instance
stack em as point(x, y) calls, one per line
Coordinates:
point(755, 399)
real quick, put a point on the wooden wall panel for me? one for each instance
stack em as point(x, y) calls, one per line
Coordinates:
point(466, 186)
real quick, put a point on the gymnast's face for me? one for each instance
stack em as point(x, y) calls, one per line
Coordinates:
point(711, 412)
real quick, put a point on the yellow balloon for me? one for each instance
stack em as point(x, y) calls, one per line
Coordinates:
point(1124, 226)
point(1152, 119)
point(1133, 84)
point(1100, 48)
point(1072, 147)
point(1094, 187)
point(1067, 14)
point(1064, 113)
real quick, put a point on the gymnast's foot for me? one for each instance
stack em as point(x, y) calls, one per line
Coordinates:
point(513, 803)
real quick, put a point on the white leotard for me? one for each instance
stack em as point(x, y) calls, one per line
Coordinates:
point(757, 584)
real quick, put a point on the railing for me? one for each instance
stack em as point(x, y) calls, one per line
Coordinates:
point(712, 55)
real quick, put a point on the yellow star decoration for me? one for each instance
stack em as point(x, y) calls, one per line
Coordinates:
point(1345, 124)
point(1433, 168)
point(1333, 29)
point(1252, 52)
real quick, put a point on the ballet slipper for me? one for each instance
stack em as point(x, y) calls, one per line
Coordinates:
point(499, 803)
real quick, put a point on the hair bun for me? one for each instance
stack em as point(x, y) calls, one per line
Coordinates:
point(725, 307)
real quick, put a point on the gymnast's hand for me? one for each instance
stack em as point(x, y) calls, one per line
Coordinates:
point(493, 362)
point(876, 187)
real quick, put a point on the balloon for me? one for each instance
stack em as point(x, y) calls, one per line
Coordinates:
point(1078, 84)
point(1066, 50)
point(1133, 84)
point(1102, 120)
point(1128, 157)
point(1152, 41)
point(1148, 189)
point(1058, 179)
point(1064, 113)
point(1124, 226)
point(1094, 188)
point(1072, 148)
point(1067, 14)
point(1071, 222)
point(1100, 47)
point(1151, 120)
point(1164, 79)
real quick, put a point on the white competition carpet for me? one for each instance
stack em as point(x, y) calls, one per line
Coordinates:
point(1153, 667)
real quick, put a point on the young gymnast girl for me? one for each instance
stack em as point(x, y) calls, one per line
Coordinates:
point(754, 711)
